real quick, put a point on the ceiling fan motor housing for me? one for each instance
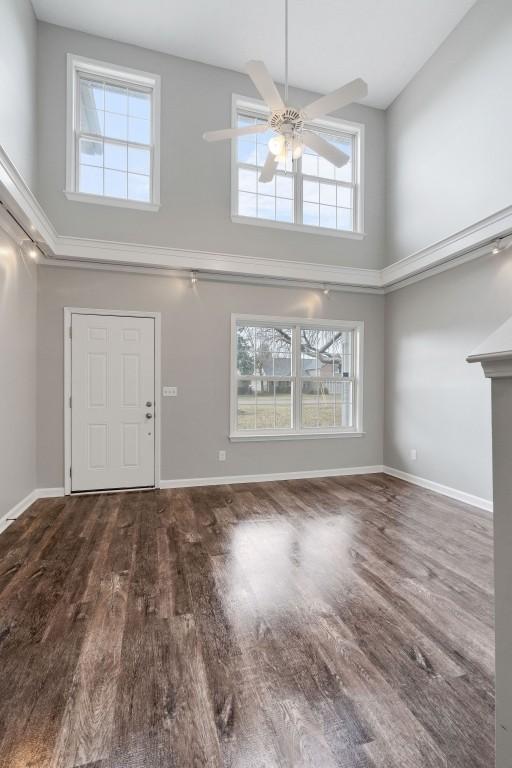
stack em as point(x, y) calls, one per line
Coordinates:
point(287, 121)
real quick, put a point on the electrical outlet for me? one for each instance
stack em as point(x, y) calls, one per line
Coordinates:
point(170, 391)
point(414, 454)
point(222, 455)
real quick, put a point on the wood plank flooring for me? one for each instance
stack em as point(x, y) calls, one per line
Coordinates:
point(342, 622)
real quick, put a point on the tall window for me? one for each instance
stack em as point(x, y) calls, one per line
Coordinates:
point(112, 134)
point(310, 195)
point(294, 377)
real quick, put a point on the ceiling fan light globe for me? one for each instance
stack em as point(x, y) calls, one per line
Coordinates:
point(297, 149)
point(276, 144)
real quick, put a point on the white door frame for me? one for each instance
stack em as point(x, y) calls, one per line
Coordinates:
point(156, 316)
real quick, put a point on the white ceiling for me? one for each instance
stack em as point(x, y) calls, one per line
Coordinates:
point(331, 41)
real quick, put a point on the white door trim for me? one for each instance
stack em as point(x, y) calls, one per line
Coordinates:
point(156, 316)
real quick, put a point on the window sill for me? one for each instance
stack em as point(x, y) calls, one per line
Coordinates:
point(310, 230)
point(238, 437)
point(82, 197)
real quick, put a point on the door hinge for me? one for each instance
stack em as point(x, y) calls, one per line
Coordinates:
point(70, 401)
point(70, 471)
point(70, 332)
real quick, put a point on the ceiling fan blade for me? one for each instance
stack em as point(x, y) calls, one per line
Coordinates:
point(231, 133)
point(357, 89)
point(260, 76)
point(268, 170)
point(323, 148)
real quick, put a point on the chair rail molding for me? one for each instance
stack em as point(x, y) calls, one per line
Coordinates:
point(63, 250)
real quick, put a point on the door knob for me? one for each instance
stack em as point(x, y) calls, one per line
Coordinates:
point(149, 415)
point(149, 404)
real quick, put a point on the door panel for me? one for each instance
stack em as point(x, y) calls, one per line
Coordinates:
point(112, 380)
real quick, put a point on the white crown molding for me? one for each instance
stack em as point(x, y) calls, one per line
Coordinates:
point(466, 244)
point(450, 252)
point(444, 490)
point(131, 254)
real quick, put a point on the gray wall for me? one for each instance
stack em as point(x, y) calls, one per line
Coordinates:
point(18, 297)
point(195, 358)
point(195, 194)
point(18, 44)
point(449, 148)
point(434, 401)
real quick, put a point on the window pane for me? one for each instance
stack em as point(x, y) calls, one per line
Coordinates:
point(90, 180)
point(284, 210)
point(247, 180)
point(139, 104)
point(267, 187)
point(345, 219)
point(328, 216)
point(284, 186)
point(139, 160)
point(309, 164)
point(91, 95)
point(246, 405)
point(345, 197)
point(92, 121)
point(115, 126)
point(264, 405)
point(311, 191)
point(264, 351)
point(139, 130)
point(91, 152)
point(247, 152)
point(115, 156)
point(266, 207)
point(116, 99)
point(139, 187)
point(261, 153)
point(246, 204)
point(311, 214)
point(326, 352)
point(328, 194)
point(115, 184)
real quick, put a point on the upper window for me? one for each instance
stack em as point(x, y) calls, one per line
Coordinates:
point(311, 194)
point(113, 134)
point(295, 377)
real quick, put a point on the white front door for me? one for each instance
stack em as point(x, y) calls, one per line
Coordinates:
point(112, 402)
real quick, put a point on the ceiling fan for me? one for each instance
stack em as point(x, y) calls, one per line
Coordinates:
point(288, 123)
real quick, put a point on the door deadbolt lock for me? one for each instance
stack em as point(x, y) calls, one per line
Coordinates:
point(149, 404)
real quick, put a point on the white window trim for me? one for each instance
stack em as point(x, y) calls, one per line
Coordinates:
point(356, 129)
point(357, 326)
point(76, 64)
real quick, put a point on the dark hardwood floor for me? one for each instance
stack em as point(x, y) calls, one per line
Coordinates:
point(338, 622)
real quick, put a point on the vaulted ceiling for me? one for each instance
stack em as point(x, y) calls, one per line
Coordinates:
point(331, 41)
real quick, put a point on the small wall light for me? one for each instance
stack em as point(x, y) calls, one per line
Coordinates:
point(193, 278)
point(326, 291)
point(497, 247)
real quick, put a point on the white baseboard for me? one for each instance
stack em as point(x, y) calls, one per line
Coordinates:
point(445, 490)
point(21, 506)
point(267, 478)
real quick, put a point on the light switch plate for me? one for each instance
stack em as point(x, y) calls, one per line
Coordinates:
point(170, 391)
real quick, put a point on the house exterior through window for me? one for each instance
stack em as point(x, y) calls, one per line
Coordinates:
point(294, 378)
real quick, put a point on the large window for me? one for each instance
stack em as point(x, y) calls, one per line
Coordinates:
point(295, 377)
point(311, 194)
point(113, 129)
